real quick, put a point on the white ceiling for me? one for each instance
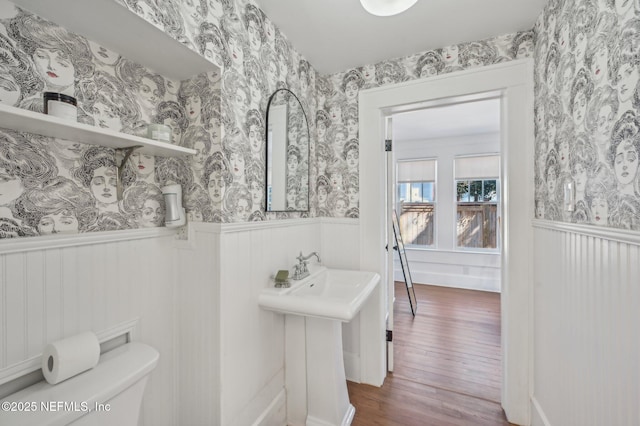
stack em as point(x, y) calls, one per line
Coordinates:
point(336, 35)
point(444, 121)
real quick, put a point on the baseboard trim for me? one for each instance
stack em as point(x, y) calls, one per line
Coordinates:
point(453, 280)
point(346, 420)
point(538, 413)
point(352, 367)
point(278, 404)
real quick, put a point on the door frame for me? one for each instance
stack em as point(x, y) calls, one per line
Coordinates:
point(390, 240)
point(514, 82)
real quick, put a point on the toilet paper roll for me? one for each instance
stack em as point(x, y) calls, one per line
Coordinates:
point(67, 357)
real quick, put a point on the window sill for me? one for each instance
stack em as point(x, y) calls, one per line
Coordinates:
point(458, 250)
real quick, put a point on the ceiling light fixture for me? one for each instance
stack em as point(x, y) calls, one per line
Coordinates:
point(386, 7)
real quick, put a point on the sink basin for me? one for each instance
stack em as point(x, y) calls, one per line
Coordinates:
point(325, 298)
point(334, 294)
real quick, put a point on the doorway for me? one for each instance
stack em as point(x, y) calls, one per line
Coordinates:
point(446, 191)
point(513, 83)
point(443, 186)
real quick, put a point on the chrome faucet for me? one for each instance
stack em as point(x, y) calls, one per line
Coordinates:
point(301, 270)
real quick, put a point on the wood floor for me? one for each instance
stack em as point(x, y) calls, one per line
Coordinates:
point(447, 363)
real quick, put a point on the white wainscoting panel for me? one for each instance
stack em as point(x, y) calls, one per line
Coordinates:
point(586, 316)
point(252, 340)
point(340, 241)
point(75, 283)
point(450, 268)
point(198, 325)
point(295, 370)
point(222, 357)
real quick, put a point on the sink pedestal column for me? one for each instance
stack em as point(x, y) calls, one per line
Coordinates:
point(327, 396)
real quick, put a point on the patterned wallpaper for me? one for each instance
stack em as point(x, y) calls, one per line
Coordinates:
point(587, 59)
point(256, 59)
point(50, 186)
point(586, 102)
point(336, 169)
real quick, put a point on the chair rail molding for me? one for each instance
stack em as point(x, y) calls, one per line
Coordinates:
point(223, 228)
point(611, 234)
point(73, 240)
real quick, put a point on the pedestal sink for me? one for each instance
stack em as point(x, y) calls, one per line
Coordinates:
point(326, 298)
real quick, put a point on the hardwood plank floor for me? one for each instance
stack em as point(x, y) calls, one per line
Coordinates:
point(447, 369)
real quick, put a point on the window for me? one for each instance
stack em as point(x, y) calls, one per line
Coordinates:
point(416, 192)
point(477, 191)
point(416, 199)
point(477, 195)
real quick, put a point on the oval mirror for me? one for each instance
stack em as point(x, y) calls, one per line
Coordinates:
point(287, 154)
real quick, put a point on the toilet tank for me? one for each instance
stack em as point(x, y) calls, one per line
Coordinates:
point(109, 394)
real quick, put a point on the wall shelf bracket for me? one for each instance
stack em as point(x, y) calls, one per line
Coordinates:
point(122, 156)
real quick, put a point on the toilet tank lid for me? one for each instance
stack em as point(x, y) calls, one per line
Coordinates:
point(117, 370)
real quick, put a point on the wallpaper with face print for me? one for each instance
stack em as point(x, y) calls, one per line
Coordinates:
point(255, 59)
point(337, 186)
point(221, 117)
point(587, 111)
point(297, 152)
point(50, 185)
point(71, 185)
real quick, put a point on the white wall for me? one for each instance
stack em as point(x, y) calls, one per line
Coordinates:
point(233, 353)
point(222, 357)
point(198, 325)
point(474, 271)
point(443, 264)
point(340, 249)
point(54, 287)
point(253, 339)
point(586, 316)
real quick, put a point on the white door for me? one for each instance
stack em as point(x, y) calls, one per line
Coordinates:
point(390, 198)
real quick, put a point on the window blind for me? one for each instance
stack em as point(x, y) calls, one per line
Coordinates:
point(416, 171)
point(486, 166)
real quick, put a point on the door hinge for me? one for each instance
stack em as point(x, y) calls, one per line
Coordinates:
point(389, 335)
point(387, 145)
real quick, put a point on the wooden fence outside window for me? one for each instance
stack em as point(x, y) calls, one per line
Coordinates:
point(476, 224)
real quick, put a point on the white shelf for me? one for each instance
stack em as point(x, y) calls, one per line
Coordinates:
point(46, 125)
point(113, 26)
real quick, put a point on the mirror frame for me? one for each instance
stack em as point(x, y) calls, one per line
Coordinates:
point(266, 144)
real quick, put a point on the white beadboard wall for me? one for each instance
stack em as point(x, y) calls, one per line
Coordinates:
point(222, 357)
point(459, 269)
point(253, 339)
point(232, 352)
point(341, 249)
point(51, 288)
point(198, 326)
point(586, 318)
